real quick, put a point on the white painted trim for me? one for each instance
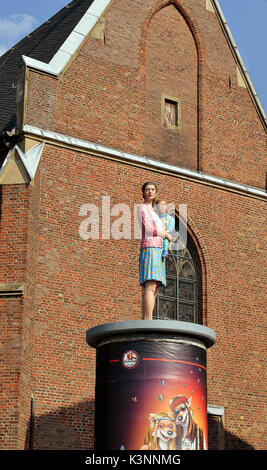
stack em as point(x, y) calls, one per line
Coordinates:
point(215, 410)
point(196, 175)
point(5, 162)
point(31, 158)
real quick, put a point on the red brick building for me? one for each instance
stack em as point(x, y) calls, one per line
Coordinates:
point(102, 97)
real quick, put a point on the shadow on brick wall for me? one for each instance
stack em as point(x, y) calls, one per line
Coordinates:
point(233, 442)
point(230, 442)
point(219, 438)
point(72, 428)
point(66, 428)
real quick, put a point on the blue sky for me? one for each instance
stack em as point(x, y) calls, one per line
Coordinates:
point(247, 20)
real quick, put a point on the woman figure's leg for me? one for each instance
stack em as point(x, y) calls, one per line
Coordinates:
point(151, 291)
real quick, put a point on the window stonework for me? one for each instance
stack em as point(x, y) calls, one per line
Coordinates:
point(215, 427)
point(178, 300)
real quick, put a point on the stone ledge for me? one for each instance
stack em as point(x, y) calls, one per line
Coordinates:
point(150, 327)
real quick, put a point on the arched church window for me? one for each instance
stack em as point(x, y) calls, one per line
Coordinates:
point(178, 300)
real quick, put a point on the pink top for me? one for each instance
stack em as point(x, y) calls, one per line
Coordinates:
point(152, 228)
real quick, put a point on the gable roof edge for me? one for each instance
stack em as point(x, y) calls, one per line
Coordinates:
point(92, 16)
point(73, 41)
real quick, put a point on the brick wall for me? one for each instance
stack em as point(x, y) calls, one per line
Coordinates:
point(13, 224)
point(170, 62)
point(75, 288)
point(105, 95)
point(10, 350)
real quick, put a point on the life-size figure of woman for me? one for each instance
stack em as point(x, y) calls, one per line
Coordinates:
point(152, 272)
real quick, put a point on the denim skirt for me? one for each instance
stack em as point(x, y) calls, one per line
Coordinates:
point(151, 266)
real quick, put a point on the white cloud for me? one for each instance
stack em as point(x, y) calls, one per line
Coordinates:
point(13, 28)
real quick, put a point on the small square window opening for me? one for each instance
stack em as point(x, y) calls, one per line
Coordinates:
point(171, 113)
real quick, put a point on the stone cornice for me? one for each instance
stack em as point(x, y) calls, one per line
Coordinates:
point(142, 161)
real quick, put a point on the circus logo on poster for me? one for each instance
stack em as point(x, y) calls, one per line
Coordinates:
point(130, 359)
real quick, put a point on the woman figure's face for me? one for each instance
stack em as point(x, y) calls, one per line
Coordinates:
point(150, 193)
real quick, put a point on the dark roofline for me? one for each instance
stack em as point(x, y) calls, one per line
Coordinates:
point(42, 44)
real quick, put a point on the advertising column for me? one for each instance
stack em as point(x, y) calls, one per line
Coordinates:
point(151, 385)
